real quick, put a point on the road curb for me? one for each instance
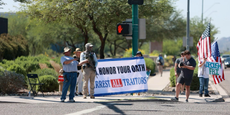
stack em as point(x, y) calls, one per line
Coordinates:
point(222, 96)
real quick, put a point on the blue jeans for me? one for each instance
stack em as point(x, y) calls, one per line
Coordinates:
point(69, 79)
point(203, 84)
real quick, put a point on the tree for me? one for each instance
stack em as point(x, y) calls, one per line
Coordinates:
point(12, 47)
point(197, 28)
point(95, 16)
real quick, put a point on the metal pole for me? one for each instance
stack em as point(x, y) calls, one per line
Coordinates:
point(202, 11)
point(135, 29)
point(187, 28)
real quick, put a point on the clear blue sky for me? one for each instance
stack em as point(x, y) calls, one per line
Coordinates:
point(218, 10)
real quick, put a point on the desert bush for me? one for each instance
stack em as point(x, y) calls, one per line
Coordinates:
point(169, 60)
point(11, 82)
point(128, 52)
point(155, 53)
point(172, 77)
point(50, 83)
point(150, 65)
point(45, 71)
point(18, 69)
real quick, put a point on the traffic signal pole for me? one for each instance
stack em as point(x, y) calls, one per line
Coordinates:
point(135, 29)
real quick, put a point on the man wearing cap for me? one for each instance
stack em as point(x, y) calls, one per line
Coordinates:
point(89, 70)
point(69, 65)
point(139, 54)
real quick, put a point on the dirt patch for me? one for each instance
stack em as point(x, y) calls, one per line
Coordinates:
point(42, 66)
point(56, 66)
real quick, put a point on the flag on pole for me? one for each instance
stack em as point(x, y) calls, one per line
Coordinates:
point(215, 57)
point(204, 45)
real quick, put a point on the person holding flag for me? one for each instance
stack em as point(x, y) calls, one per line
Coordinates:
point(205, 50)
point(203, 78)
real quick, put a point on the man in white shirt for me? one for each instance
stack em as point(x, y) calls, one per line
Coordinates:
point(203, 78)
point(69, 65)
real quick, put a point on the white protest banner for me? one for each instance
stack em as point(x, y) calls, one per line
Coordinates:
point(119, 76)
point(213, 68)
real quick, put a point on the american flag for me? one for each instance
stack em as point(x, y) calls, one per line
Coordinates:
point(215, 57)
point(204, 45)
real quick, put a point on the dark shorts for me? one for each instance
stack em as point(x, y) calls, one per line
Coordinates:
point(186, 81)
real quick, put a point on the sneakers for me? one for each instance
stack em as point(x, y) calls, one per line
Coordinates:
point(200, 95)
point(84, 97)
point(182, 93)
point(174, 99)
point(80, 93)
point(186, 100)
point(207, 95)
point(62, 100)
point(92, 97)
point(71, 100)
point(76, 94)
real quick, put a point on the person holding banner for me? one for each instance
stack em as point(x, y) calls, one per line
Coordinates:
point(203, 78)
point(187, 69)
point(89, 70)
point(139, 54)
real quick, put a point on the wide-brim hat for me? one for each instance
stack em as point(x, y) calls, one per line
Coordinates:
point(77, 50)
point(66, 49)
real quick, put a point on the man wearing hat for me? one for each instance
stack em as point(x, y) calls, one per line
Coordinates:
point(89, 70)
point(69, 65)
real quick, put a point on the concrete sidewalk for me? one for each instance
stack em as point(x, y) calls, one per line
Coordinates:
point(155, 85)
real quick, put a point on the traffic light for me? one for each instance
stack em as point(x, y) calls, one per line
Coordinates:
point(138, 2)
point(122, 28)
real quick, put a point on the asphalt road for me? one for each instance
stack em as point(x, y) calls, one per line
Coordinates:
point(117, 108)
point(226, 83)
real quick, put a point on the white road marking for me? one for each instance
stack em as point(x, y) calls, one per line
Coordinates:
point(87, 110)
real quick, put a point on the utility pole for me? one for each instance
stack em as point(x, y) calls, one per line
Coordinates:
point(187, 28)
point(135, 29)
point(202, 11)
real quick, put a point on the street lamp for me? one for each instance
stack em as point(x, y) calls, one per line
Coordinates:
point(207, 9)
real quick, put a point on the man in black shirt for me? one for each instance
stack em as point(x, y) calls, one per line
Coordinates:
point(187, 68)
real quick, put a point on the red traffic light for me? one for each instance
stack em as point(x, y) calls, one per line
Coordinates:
point(122, 29)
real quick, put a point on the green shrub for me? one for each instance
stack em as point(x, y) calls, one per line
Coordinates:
point(195, 80)
point(45, 71)
point(11, 82)
point(16, 68)
point(172, 77)
point(150, 65)
point(50, 83)
point(5, 63)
